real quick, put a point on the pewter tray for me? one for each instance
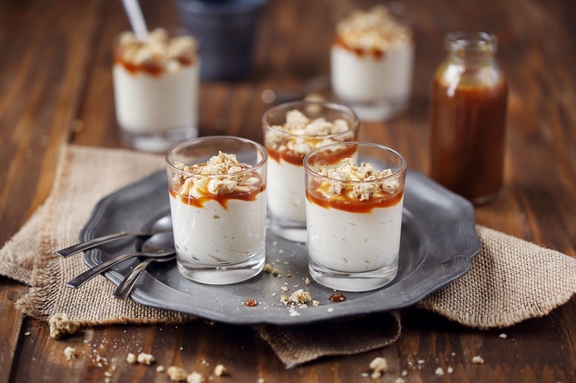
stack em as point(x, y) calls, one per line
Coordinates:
point(437, 245)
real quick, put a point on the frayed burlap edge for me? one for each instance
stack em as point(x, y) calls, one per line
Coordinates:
point(510, 280)
point(301, 344)
point(46, 279)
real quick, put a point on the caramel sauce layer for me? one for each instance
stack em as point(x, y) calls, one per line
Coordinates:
point(221, 199)
point(376, 52)
point(151, 69)
point(321, 197)
point(296, 159)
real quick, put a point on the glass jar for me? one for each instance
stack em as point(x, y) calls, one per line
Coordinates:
point(468, 118)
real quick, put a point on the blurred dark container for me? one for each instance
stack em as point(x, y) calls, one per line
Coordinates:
point(226, 30)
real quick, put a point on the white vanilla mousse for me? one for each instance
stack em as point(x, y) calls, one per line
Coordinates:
point(218, 212)
point(156, 82)
point(354, 217)
point(287, 146)
point(372, 58)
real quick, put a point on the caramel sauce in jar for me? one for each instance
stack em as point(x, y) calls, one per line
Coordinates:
point(468, 119)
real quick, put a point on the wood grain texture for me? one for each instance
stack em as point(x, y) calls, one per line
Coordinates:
point(55, 85)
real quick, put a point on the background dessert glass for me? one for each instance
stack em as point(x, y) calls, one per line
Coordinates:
point(354, 226)
point(371, 62)
point(286, 199)
point(156, 89)
point(219, 220)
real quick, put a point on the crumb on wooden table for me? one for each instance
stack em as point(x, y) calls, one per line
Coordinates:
point(176, 374)
point(144, 358)
point(70, 352)
point(220, 370)
point(478, 360)
point(61, 325)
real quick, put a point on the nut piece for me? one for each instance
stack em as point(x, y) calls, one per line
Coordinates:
point(160, 369)
point(61, 324)
point(378, 365)
point(176, 374)
point(145, 359)
point(503, 336)
point(300, 296)
point(477, 360)
point(70, 353)
point(267, 268)
point(439, 371)
point(195, 378)
point(131, 358)
point(220, 370)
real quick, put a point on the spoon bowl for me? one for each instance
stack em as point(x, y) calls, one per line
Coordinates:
point(159, 245)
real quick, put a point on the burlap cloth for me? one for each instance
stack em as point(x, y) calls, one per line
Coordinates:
point(510, 280)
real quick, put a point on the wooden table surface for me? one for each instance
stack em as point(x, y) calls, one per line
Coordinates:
point(56, 87)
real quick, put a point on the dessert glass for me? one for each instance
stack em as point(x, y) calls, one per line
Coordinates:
point(156, 89)
point(286, 199)
point(354, 215)
point(218, 193)
point(371, 62)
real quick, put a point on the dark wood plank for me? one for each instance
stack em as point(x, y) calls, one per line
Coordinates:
point(44, 52)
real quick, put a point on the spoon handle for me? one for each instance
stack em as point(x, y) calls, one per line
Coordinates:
point(64, 253)
point(127, 284)
point(91, 273)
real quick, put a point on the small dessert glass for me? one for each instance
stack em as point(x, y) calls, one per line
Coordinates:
point(371, 62)
point(286, 199)
point(354, 226)
point(156, 103)
point(219, 220)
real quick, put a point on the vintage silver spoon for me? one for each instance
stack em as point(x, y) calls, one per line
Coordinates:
point(161, 225)
point(128, 283)
point(157, 246)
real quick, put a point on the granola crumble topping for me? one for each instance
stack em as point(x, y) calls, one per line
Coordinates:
point(306, 134)
point(376, 29)
point(157, 51)
point(362, 191)
point(221, 175)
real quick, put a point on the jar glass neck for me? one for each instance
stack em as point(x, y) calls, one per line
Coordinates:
point(471, 47)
